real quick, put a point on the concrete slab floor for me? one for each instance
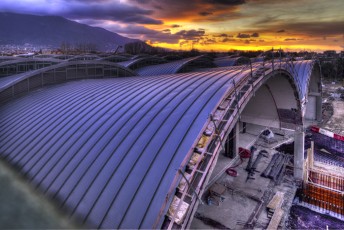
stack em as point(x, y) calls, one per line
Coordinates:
point(23, 208)
point(246, 140)
point(243, 198)
point(234, 210)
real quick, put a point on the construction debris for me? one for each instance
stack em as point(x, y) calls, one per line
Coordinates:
point(276, 219)
point(275, 203)
point(253, 169)
point(183, 182)
point(275, 169)
point(253, 149)
point(215, 194)
point(210, 222)
point(268, 136)
point(182, 208)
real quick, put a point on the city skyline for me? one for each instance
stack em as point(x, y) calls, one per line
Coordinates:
point(206, 25)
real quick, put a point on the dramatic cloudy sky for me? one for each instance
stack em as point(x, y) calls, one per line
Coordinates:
point(206, 24)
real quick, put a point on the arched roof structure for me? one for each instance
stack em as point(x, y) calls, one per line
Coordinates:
point(179, 66)
point(114, 58)
point(83, 58)
point(138, 56)
point(172, 57)
point(231, 61)
point(44, 56)
point(300, 70)
point(111, 152)
point(22, 65)
point(135, 63)
point(302, 74)
point(257, 59)
point(63, 56)
point(8, 58)
point(18, 84)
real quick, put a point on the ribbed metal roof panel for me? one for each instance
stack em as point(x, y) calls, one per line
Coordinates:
point(29, 60)
point(167, 68)
point(8, 81)
point(145, 59)
point(301, 71)
point(107, 150)
point(225, 62)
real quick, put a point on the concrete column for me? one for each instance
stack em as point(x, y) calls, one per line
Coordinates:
point(231, 144)
point(236, 131)
point(299, 148)
point(319, 108)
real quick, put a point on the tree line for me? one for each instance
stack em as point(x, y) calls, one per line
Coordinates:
point(333, 69)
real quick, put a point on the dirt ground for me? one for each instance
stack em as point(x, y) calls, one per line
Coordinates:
point(333, 108)
point(304, 218)
point(243, 204)
point(333, 120)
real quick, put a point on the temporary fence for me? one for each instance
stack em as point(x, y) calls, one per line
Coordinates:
point(330, 141)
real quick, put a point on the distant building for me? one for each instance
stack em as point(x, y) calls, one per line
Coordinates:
point(330, 53)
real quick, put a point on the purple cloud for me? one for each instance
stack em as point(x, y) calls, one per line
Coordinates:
point(77, 9)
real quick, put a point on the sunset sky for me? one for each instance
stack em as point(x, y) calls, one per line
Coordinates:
point(219, 25)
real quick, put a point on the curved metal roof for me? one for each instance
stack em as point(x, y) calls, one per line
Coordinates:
point(303, 71)
point(300, 70)
point(114, 58)
point(45, 56)
point(257, 59)
point(63, 56)
point(231, 61)
point(137, 56)
point(172, 57)
point(24, 82)
point(175, 67)
point(142, 61)
point(9, 58)
point(221, 68)
point(108, 150)
point(28, 60)
point(109, 161)
point(21, 65)
point(83, 58)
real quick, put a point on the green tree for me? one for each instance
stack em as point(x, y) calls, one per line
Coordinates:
point(340, 68)
point(328, 70)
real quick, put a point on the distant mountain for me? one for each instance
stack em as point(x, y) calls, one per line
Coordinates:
point(20, 29)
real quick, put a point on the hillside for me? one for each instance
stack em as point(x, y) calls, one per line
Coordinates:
point(19, 29)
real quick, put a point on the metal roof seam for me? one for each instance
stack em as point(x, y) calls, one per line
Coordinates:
point(104, 146)
point(107, 150)
point(153, 160)
point(138, 86)
point(224, 75)
point(16, 132)
point(47, 126)
point(177, 83)
point(18, 112)
point(69, 64)
point(92, 111)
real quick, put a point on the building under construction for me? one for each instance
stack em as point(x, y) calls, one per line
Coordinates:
point(140, 142)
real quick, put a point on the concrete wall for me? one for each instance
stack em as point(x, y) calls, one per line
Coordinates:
point(299, 149)
point(314, 100)
point(261, 109)
point(283, 92)
point(273, 96)
point(311, 111)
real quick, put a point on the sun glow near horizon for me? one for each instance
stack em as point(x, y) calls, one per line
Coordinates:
point(206, 24)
